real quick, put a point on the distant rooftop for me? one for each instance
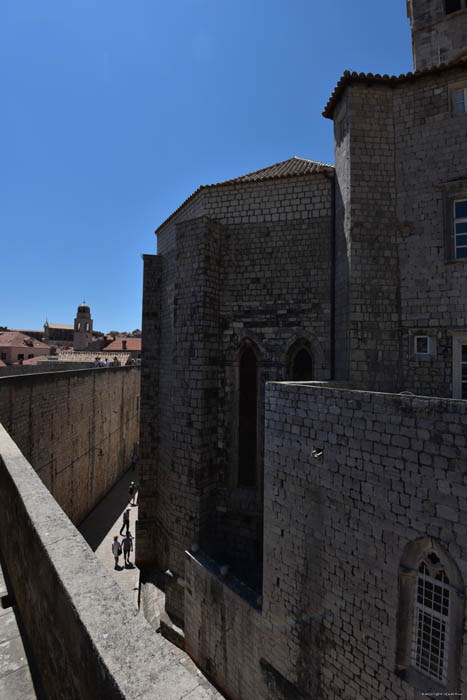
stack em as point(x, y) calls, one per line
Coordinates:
point(16, 339)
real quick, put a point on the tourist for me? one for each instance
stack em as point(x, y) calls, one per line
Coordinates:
point(126, 521)
point(127, 545)
point(116, 549)
point(132, 491)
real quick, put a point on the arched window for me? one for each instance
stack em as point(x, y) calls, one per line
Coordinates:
point(300, 362)
point(248, 418)
point(430, 621)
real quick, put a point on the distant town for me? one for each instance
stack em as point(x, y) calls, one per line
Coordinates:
point(77, 342)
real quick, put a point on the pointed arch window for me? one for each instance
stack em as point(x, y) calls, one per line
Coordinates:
point(300, 365)
point(430, 618)
point(248, 418)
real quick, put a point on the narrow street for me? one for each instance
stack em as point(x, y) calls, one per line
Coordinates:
point(104, 522)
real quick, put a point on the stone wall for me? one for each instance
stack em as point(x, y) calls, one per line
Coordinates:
point(436, 37)
point(246, 272)
point(42, 367)
point(336, 529)
point(367, 275)
point(78, 429)
point(400, 164)
point(430, 171)
point(88, 641)
point(335, 532)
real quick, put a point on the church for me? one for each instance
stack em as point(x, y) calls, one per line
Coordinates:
point(303, 416)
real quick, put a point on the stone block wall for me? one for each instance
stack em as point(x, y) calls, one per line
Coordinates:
point(147, 531)
point(336, 529)
point(335, 533)
point(367, 279)
point(248, 271)
point(78, 429)
point(430, 171)
point(436, 37)
point(87, 639)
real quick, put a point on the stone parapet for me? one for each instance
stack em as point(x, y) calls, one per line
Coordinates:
point(87, 639)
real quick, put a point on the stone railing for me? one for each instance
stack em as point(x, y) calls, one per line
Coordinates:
point(87, 639)
point(81, 356)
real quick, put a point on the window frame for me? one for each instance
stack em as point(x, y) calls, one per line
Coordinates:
point(428, 345)
point(459, 339)
point(459, 220)
point(415, 554)
point(452, 192)
point(424, 612)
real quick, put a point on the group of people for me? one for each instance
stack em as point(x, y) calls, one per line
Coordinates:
point(125, 547)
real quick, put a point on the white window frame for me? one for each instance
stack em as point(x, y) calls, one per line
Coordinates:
point(423, 613)
point(459, 220)
point(428, 345)
point(459, 338)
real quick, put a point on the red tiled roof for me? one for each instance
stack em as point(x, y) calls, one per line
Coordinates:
point(293, 167)
point(390, 80)
point(15, 339)
point(287, 168)
point(132, 344)
point(60, 326)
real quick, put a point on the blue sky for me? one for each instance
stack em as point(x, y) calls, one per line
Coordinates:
point(114, 112)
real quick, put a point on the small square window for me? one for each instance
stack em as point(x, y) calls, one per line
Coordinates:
point(422, 344)
point(21, 356)
point(3, 356)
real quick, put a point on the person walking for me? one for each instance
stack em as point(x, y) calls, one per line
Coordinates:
point(116, 550)
point(127, 545)
point(132, 493)
point(126, 522)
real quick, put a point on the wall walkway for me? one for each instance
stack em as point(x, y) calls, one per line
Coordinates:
point(88, 640)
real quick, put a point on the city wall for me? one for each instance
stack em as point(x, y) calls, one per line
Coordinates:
point(87, 639)
point(77, 428)
point(391, 472)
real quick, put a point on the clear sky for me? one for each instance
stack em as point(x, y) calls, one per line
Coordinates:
point(114, 112)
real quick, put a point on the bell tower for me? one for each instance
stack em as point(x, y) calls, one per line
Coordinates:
point(439, 31)
point(82, 335)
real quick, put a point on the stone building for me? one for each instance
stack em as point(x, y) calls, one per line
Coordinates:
point(82, 334)
point(16, 347)
point(302, 439)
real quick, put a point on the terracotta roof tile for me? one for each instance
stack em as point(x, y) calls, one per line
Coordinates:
point(17, 340)
point(293, 167)
point(117, 344)
point(390, 80)
point(61, 326)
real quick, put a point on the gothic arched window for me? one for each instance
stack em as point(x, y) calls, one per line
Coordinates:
point(300, 362)
point(430, 620)
point(247, 418)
